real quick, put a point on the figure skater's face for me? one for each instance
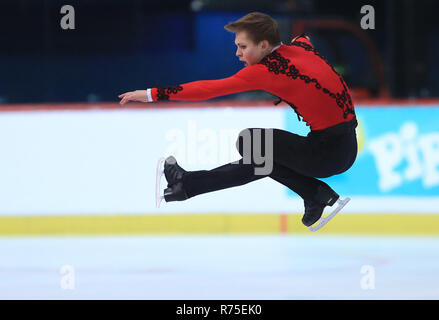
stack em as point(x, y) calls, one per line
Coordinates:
point(249, 52)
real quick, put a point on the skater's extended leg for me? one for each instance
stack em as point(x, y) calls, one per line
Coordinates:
point(226, 176)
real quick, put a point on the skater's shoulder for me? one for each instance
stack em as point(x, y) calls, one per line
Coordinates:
point(280, 52)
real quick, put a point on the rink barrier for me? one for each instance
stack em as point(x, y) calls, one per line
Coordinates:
point(80, 225)
point(97, 223)
point(31, 107)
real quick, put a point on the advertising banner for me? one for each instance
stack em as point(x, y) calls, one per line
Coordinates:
point(398, 153)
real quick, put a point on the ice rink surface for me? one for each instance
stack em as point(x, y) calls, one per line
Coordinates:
point(220, 267)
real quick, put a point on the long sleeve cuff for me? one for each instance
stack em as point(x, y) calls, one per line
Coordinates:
point(149, 95)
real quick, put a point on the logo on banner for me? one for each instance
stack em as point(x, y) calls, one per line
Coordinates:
point(405, 156)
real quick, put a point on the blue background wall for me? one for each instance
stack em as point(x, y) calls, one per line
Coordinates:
point(120, 46)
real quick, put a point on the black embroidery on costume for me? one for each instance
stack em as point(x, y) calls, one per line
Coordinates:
point(343, 99)
point(280, 65)
point(164, 93)
point(291, 105)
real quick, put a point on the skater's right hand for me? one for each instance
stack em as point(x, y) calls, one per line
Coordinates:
point(138, 95)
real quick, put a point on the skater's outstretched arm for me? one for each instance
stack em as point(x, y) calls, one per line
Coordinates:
point(253, 77)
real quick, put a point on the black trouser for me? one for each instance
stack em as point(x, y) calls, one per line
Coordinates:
point(297, 161)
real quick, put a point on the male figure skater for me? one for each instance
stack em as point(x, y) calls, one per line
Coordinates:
point(299, 75)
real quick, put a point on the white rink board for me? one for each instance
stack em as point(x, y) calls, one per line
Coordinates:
point(104, 162)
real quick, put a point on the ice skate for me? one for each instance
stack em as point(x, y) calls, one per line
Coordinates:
point(173, 174)
point(175, 193)
point(323, 221)
point(325, 196)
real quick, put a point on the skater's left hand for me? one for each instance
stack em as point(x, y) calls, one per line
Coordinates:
point(138, 95)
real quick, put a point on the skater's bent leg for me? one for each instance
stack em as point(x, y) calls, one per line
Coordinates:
point(278, 146)
point(306, 187)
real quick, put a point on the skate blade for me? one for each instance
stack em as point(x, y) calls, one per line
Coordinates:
point(323, 221)
point(159, 174)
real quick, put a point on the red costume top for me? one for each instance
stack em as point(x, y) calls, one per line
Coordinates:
point(296, 73)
